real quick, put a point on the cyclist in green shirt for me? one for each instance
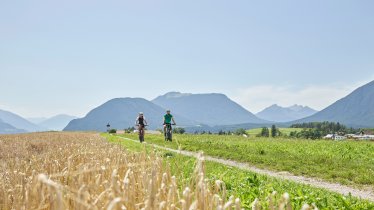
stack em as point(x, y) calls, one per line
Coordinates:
point(167, 119)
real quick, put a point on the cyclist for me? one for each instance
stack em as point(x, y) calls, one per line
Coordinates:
point(167, 120)
point(141, 123)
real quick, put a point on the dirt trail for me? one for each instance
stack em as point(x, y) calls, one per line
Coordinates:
point(334, 187)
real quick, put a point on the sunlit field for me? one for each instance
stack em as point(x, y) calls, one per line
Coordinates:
point(84, 171)
point(346, 162)
point(249, 186)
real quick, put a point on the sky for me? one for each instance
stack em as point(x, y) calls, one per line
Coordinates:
point(72, 56)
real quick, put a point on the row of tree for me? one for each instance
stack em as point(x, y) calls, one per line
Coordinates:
point(274, 132)
point(239, 132)
point(317, 130)
point(325, 127)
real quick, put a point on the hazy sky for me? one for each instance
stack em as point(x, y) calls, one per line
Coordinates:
point(71, 56)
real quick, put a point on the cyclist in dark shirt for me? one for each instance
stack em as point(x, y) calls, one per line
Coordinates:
point(141, 123)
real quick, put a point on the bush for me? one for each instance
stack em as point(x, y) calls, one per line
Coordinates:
point(264, 132)
point(129, 129)
point(112, 131)
point(275, 131)
point(221, 132)
point(240, 132)
point(179, 130)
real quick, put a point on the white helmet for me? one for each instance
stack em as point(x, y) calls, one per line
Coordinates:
point(140, 113)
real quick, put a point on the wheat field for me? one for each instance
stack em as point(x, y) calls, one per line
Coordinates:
point(62, 170)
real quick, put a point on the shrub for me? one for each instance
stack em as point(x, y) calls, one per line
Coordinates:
point(129, 129)
point(179, 130)
point(264, 132)
point(112, 131)
point(240, 132)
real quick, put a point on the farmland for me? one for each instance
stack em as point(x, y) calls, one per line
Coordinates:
point(84, 171)
point(248, 186)
point(60, 170)
point(346, 162)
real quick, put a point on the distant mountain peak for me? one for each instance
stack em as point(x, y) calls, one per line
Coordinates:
point(297, 107)
point(278, 113)
point(356, 109)
point(207, 108)
point(18, 122)
point(275, 106)
point(175, 94)
point(57, 122)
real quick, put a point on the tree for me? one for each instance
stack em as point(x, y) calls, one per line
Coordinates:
point(179, 130)
point(273, 131)
point(240, 131)
point(221, 132)
point(129, 129)
point(264, 132)
point(112, 131)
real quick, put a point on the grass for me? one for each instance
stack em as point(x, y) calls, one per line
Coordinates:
point(61, 170)
point(346, 162)
point(253, 132)
point(249, 186)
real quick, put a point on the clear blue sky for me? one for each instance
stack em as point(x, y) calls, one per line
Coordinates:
point(71, 56)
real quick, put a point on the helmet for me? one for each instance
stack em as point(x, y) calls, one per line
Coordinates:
point(168, 110)
point(140, 113)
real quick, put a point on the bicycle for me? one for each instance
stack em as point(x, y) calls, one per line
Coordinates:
point(169, 132)
point(141, 132)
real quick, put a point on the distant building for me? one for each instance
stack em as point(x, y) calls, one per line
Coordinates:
point(329, 136)
point(334, 137)
point(361, 136)
point(338, 137)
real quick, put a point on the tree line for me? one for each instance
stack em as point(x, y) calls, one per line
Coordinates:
point(317, 130)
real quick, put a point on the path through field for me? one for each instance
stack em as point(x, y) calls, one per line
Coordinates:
point(334, 187)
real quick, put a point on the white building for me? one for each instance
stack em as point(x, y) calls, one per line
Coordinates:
point(334, 137)
point(338, 137)
point(360, 137)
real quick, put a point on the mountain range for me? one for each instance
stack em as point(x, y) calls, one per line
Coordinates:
point(13, 123)
point(201, 111)
point(211, 109)
point(356, 109)
point(56, 123)
point(18, 121)
point(189, 110)
point(5, 128)
point(121, 113)
point(277, 113)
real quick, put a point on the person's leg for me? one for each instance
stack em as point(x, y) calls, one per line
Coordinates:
point(141, 133)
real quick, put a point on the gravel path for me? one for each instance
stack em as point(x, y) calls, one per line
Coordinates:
point(334, 187)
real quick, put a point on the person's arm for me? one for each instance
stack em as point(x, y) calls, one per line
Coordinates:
point(145, 121)
point(136, 121)
point(172, 118)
